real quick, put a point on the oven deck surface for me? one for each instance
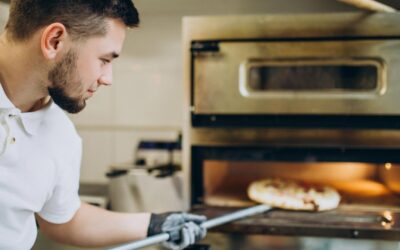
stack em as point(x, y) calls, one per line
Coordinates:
point(347, 221)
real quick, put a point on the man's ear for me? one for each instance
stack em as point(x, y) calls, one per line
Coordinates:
point(53, 40)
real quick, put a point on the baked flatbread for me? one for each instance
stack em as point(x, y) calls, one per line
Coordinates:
point(293, 195)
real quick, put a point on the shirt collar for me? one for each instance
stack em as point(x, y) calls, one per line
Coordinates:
point(5, 103)
point(31, 121)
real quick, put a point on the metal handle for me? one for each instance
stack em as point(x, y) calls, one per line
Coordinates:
point(207, 224)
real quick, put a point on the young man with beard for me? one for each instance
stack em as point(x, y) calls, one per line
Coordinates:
point(54, 55)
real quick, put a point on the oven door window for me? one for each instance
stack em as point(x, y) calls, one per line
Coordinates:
point(310, 77)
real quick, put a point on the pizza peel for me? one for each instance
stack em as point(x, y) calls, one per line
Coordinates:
point(240, 214)
point(152, 240)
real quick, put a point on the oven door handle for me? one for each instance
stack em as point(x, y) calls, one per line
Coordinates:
point(207, 224)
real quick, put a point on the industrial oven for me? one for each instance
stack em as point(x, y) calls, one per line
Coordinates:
point(308, 97)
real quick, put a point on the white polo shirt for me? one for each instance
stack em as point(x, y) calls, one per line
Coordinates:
point(40, 156)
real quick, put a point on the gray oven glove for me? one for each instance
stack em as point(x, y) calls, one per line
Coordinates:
point(183, 228)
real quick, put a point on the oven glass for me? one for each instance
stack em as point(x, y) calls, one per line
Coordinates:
point(313, 78)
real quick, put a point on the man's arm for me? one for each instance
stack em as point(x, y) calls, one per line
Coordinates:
point(95, 227)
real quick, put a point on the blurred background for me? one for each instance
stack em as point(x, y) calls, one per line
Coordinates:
point(145, 102)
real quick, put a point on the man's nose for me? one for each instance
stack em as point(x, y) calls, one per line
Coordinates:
point(106, 77)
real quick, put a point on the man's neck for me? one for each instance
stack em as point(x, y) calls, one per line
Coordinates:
point(21, 75)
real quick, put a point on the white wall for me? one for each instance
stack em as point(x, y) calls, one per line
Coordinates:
point(146, 98)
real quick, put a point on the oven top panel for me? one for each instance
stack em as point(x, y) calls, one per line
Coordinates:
point(326, 25)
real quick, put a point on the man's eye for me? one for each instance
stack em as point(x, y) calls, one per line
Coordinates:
point(105, 61)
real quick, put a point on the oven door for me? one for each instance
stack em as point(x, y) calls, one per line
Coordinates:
point(310, 77)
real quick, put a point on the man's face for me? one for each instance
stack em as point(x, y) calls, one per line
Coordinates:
point(82, 70)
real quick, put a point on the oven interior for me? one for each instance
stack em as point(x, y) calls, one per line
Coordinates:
point(368, 185)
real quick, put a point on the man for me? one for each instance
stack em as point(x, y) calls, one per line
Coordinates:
point(54, 55)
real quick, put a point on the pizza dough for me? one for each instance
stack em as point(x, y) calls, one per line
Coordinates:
point(293, 195)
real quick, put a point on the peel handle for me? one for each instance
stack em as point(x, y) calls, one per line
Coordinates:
point(207, 224)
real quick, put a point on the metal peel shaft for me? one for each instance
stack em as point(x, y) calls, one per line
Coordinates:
point(207, 224)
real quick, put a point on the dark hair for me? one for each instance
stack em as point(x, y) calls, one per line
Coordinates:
point(82, 18)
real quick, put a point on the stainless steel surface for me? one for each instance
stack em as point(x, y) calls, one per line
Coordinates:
point(217, 87)
point(389, 139)
point(208, 224)
point(325, 25)
point(219, 77)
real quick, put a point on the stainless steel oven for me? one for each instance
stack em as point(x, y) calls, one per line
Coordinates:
point(309, 97)
point(342, 65)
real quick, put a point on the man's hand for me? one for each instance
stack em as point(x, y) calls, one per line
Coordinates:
point(184, 229)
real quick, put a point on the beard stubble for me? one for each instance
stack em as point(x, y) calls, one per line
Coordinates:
point(62, 82)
